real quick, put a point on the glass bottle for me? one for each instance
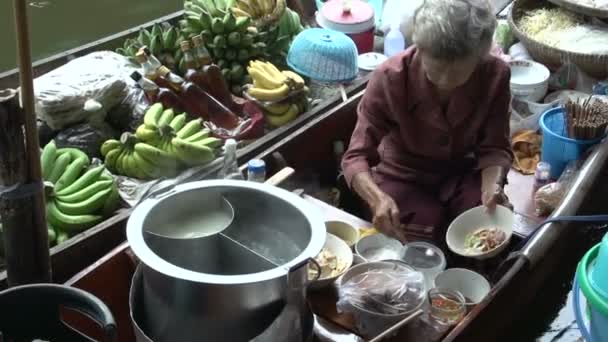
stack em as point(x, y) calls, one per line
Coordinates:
point(202, 55)
point(256, 170)
point(148, 70)
point(154, 93)
point(189, 61)
point(169, 80)
point(153, 60)
point(193, 73)
point(542, 176)
point(230, 169)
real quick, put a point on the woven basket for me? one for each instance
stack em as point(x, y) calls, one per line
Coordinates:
point(595, 65)
point(573, 6)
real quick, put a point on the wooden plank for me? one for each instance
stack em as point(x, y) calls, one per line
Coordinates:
point(23, 216)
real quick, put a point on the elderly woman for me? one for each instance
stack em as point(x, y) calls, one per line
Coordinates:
point(432, 134)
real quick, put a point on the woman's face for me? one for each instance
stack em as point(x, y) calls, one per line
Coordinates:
point(448, 75)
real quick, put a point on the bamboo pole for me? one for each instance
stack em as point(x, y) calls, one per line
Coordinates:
point(23, 216)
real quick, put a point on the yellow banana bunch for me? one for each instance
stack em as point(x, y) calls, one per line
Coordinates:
point(274, 118)
point(270, 84)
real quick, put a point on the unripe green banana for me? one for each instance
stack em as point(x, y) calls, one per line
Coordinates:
point(112, 202)
point(211, 142)
point(153, 115)
point(108, 146)
point(70, 223)
point(150, 170)
point(85, 180)
point(85, 193)
point(47, 158)
point(192, 154)
point(60, 164)
point(166, 117)
point(202, 134)
point(155, 155)
point(74, 154)
point(111, 158)
point(88, 206)
point(178, 122)
point(71, 173)
point(190, 128)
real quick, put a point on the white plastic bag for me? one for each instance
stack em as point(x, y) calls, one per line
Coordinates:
point(98, 77)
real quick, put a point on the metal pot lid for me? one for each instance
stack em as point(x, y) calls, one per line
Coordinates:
point(135, 234)
point(346, 16)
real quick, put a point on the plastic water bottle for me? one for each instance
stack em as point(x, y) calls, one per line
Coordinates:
point(230, 169)
point(394, 42)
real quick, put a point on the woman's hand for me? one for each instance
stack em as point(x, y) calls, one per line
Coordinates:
point(385, 210)
point(386, 216)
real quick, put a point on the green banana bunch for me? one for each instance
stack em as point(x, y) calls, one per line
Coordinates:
point(163, 40)
point(83, 203)
point(62, 166)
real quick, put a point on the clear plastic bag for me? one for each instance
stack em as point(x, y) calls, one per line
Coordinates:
point(62, 93)
point(548, 197)
point(378, 298)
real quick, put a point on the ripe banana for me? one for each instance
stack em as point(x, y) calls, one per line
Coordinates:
point(70, 223)
point(277, 108)
point(269, 95)
point(178, 122)
point(298, 81)
point(190, 128)
point(47, 158)
point(85, 180)
point(152, 115)
point(88, 206)
point(71, 173)
point(146, 134)
point(192, 154)
point(200, 135)
point(61, 163)
point(87, 192)
point(166, 117)
point(263, 79)
point(271, 70)
point(109, 145)
point(280, 120)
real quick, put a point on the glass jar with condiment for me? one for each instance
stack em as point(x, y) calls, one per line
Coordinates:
point(256, 170)
point(542, 175)
point(447, 306)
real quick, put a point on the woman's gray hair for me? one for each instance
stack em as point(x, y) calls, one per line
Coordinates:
point(452, 29)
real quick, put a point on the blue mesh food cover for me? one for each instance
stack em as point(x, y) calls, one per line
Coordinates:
point(323, 55)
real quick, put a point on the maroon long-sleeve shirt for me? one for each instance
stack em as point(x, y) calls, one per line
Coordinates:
point(403, 133)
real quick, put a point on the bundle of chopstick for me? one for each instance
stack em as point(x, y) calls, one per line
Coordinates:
point(586, 119)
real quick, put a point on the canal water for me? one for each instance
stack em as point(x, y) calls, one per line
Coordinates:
point(58, 25)
point(550, 317)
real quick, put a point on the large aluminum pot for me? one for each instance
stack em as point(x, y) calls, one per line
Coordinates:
point(237, 296)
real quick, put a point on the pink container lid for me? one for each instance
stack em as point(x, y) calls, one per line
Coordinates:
point(346, 16)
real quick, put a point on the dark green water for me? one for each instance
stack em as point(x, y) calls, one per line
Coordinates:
point(58, 25)
point(550, 317)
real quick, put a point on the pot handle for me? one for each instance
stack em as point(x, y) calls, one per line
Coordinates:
point(297, 267)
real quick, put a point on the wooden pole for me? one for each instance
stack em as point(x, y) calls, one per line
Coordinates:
point(23, 212)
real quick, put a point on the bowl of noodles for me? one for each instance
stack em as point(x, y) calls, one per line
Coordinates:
point(334, 260)
point(480, 234)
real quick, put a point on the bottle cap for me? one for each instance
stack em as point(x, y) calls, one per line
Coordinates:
point(185, 45)
point(136, 76)
point(198, 40)
point(140, 56)
point(163, 70)
point(256, 165)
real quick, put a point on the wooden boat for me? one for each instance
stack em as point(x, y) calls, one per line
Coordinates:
point(308, 149)
point(85, 248)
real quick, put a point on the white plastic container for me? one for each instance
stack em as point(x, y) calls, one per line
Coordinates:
point(394, 42)
point(472, 285)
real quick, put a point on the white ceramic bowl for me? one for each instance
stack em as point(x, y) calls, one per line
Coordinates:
point(529, 80)
point(341, 250)
point(470, 284)
point(344, 231)
point(474, 219)
point(379, 247)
